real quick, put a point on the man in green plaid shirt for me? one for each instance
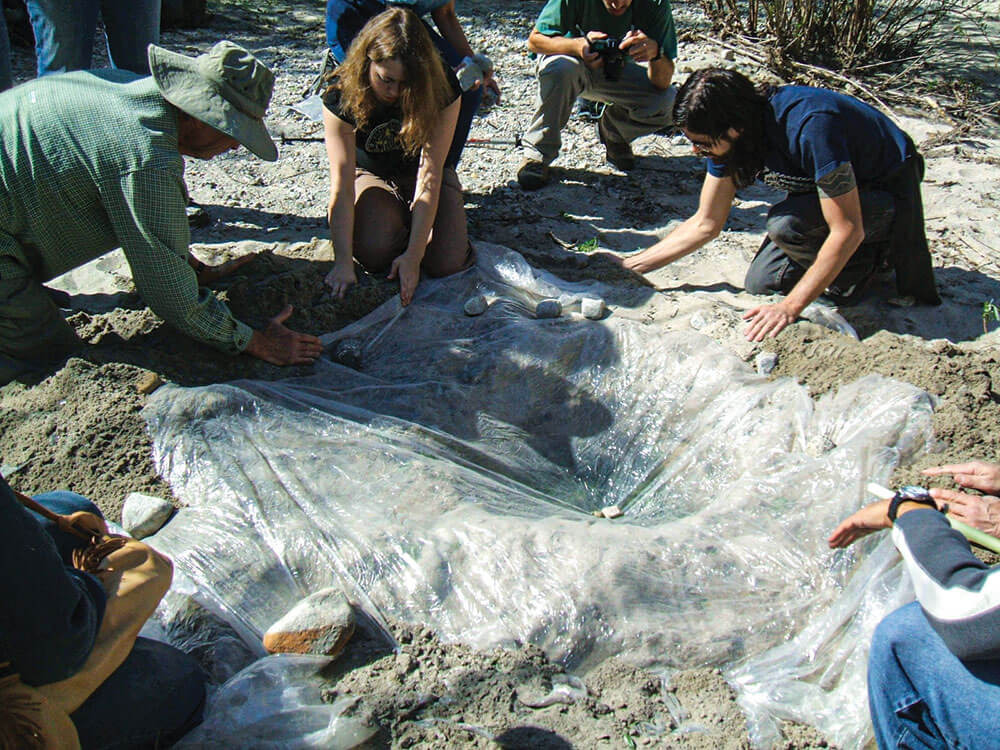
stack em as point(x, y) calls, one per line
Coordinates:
point(90, 161)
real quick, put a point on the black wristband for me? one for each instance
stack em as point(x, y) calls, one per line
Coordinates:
point(659, 52)
point(909, 495)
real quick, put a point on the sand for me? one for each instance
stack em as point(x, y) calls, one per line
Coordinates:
point(81, 428)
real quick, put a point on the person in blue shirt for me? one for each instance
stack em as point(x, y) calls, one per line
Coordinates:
point(934, 664)
point(853, 206)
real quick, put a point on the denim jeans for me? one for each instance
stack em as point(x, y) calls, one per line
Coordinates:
point(922, 696)
point(796, 229)
point(158, 692)
point(64, 32)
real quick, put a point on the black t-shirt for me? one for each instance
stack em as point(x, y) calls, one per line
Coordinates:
point(378, 147)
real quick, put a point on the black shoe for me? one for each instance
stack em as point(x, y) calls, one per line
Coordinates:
point(532, 174)
point(618, 153)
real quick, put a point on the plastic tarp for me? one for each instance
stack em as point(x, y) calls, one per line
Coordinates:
point(451, 479)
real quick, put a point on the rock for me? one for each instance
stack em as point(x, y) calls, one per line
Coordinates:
point(592, 309)
point(322, 623)
point(548, 308)
point(612, 511)
point(765, 362)
point(475, 305)
point(143, 515)
point(348, 353)
point(149, 383)
point(698, 321)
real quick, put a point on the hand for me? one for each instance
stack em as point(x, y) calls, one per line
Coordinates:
point(281, 346)
point(639, 46)
point(491, 83)
point(978, 475)
point(341, 278)
point(767, 320)
point(209, 274)
point(591, 58)
point(860, 524)
point(88, 523)
point(406, 268)
point(978, 511)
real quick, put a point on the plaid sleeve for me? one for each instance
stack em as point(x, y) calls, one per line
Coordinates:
point(147, 211)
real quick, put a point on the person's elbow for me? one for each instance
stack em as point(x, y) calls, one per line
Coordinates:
point(708, 227)
point(536, 41)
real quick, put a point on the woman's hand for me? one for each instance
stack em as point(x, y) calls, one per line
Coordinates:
point(341, 278)
point(406, 268)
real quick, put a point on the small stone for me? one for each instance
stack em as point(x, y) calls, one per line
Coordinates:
point(592, 309)
point(143, 515)
point(765, 362)
point(698, 321)
point(612, 511)
point(348, 353)
point(322, 624)
point(149, 383)
point(475, 305)
point(548, 308)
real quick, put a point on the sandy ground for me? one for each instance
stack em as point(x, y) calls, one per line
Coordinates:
point(81, 427)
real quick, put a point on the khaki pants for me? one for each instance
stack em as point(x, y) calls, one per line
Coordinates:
point(382, 223)
point(635, 107)
point(33, 332)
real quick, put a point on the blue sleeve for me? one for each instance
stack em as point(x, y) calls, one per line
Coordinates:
point(50, 614)
point(715, 169)
point(960, 594)
point(822, 145)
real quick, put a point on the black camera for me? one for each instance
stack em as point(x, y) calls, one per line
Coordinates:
point(610, 52)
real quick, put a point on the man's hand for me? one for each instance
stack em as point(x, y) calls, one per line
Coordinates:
point(406, 268)
point(767, 320)
point(585, 53)
point(639, 46)
point(871, 518)
point(978, 511)
point(978, 475)
point(210, 274)
point(341, 278)
point(281, 346)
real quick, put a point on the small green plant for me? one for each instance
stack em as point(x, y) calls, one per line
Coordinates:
point(990, 312)
point(588, 246)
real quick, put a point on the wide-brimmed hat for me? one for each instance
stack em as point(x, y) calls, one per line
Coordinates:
point(227, 88)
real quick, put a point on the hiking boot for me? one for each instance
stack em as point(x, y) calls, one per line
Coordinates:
point(619, 153)
point(532, 174)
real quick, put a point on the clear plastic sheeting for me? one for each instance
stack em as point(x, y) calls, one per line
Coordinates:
point(451, 478)
point(277, 704)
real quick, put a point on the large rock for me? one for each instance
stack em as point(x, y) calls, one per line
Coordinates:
point(143, 515)
point(322, 623)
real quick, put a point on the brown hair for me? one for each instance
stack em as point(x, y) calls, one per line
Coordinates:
point(396, 34)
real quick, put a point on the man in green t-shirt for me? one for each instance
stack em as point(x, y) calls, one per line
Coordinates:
point(618, 52)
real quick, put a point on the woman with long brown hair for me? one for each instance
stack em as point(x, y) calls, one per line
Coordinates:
point(389, 116)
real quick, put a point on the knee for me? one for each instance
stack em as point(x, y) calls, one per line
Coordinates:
point(762, 279)
point(890, 641)
point(444, 261)
point(786, 230)
point(559, 70)
point(67, 503)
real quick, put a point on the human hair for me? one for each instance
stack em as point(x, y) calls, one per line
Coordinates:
point(395, 34)
point(712, 101)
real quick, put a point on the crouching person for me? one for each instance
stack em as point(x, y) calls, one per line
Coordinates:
point(934, 665)
point(73, 671)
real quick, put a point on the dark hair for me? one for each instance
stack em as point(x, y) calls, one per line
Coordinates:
point(712, 101)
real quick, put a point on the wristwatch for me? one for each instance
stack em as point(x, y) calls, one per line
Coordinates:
point(910, 495)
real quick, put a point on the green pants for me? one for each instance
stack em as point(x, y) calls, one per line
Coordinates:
point(33, 331)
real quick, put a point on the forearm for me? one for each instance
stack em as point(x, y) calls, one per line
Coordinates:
point(687, 238)
point(136, 578)
point(450, 27)
point(833, 255)
point(555, 45)
point(661, 72)
point(340, 215)
point(423, 210)
point(959, 593)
